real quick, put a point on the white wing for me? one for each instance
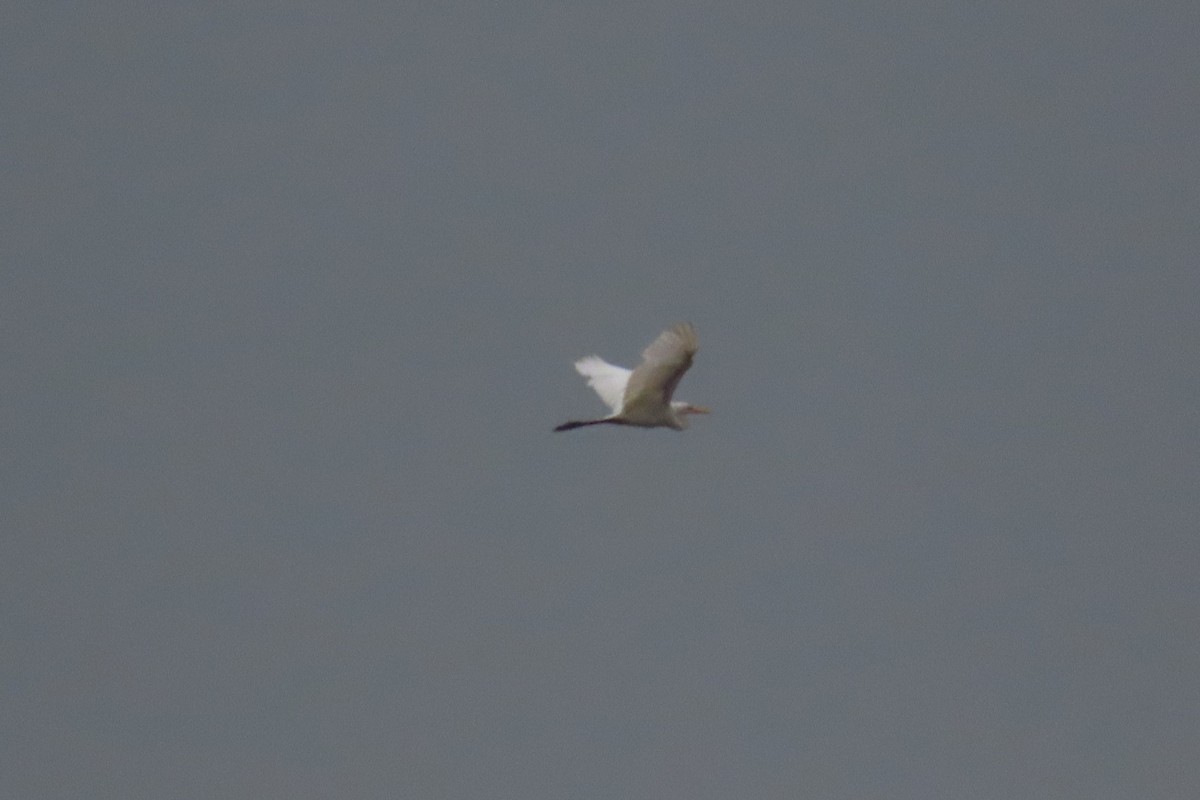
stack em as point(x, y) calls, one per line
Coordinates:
point(607, 379)
point(662, 367)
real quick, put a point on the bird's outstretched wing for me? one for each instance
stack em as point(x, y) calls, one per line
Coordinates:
point(662, 367)
point(607, 379)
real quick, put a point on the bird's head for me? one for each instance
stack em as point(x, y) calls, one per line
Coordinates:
point(682, 409)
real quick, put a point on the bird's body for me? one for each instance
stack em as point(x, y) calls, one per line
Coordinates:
point(642, 397)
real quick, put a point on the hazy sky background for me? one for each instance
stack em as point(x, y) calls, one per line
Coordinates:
point(290, 296)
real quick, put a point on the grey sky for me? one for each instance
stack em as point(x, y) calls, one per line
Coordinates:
point(290, 298)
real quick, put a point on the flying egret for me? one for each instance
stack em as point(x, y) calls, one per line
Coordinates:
point(642, 397)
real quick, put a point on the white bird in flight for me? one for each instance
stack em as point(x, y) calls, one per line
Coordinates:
point(642, 397)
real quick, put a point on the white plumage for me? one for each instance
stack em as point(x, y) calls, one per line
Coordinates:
point(642, 397)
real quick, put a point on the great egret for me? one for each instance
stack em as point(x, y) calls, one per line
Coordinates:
point(642, 397)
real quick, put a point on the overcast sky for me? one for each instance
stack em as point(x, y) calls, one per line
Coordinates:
point(289, 298)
